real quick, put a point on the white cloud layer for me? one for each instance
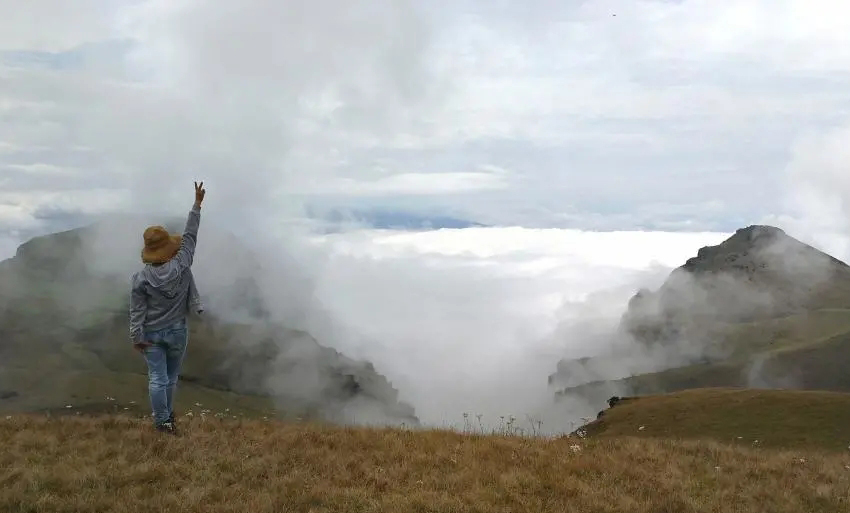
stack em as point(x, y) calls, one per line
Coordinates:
point(463, 320)
point(415, 184)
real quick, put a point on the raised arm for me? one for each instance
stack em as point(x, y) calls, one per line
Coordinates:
point(186, 254)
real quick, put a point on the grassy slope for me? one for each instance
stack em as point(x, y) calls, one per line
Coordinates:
point(785, 333)
point(107, 391)
point(72, 367)
point(87, 390)
point(809, 350)
point(114, 463)
point(87, 362)
point(776, 418)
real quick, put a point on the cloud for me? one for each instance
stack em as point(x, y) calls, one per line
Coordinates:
point(462, 320)
point(816, 190)
point(240, 98)
point(54, 25)
point(694, 102)
point(415, 184)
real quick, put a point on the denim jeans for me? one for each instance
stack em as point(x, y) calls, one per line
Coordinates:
point(164, 358)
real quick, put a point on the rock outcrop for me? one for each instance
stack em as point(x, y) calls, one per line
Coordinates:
point(613, 401)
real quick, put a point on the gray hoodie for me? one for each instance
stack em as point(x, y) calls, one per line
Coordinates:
point(163, 294)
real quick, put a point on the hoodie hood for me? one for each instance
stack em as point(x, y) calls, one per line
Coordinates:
point(165, 278)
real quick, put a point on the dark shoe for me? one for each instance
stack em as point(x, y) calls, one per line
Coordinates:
point(166, 427)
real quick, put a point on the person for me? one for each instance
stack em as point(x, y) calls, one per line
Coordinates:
point(161, 296)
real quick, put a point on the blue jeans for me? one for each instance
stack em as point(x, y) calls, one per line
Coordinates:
point(164, 358)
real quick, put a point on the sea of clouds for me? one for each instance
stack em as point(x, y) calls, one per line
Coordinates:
point(473, 320)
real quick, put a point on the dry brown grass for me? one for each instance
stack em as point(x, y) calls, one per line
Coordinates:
point(115, 463)
point(801, 419)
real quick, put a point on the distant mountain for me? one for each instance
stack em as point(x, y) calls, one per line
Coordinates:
point(63, 334)
point(761, 309)
point(759, 272)
point(387, 219)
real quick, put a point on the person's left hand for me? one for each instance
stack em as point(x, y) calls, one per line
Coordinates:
point(141, 346)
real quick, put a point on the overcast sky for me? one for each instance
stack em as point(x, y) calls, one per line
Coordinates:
point(604, 114)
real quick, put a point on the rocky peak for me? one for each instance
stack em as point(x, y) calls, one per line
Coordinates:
point(760, 249)
point(758, 272)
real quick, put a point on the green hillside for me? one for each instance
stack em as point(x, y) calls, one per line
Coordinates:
point(809, 351)
point(762, 418)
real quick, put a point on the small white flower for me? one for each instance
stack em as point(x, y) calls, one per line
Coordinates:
point(641, 428)
point(575, 448)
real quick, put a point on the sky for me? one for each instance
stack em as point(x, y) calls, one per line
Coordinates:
point(603, 115)
point(578, 131)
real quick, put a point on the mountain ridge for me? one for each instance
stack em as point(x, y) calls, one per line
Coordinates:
point(759, 309)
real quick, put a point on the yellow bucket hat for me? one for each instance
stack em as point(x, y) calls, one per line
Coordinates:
point(160, 246)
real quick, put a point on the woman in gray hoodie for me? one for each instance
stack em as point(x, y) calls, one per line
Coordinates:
point(161, 296)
